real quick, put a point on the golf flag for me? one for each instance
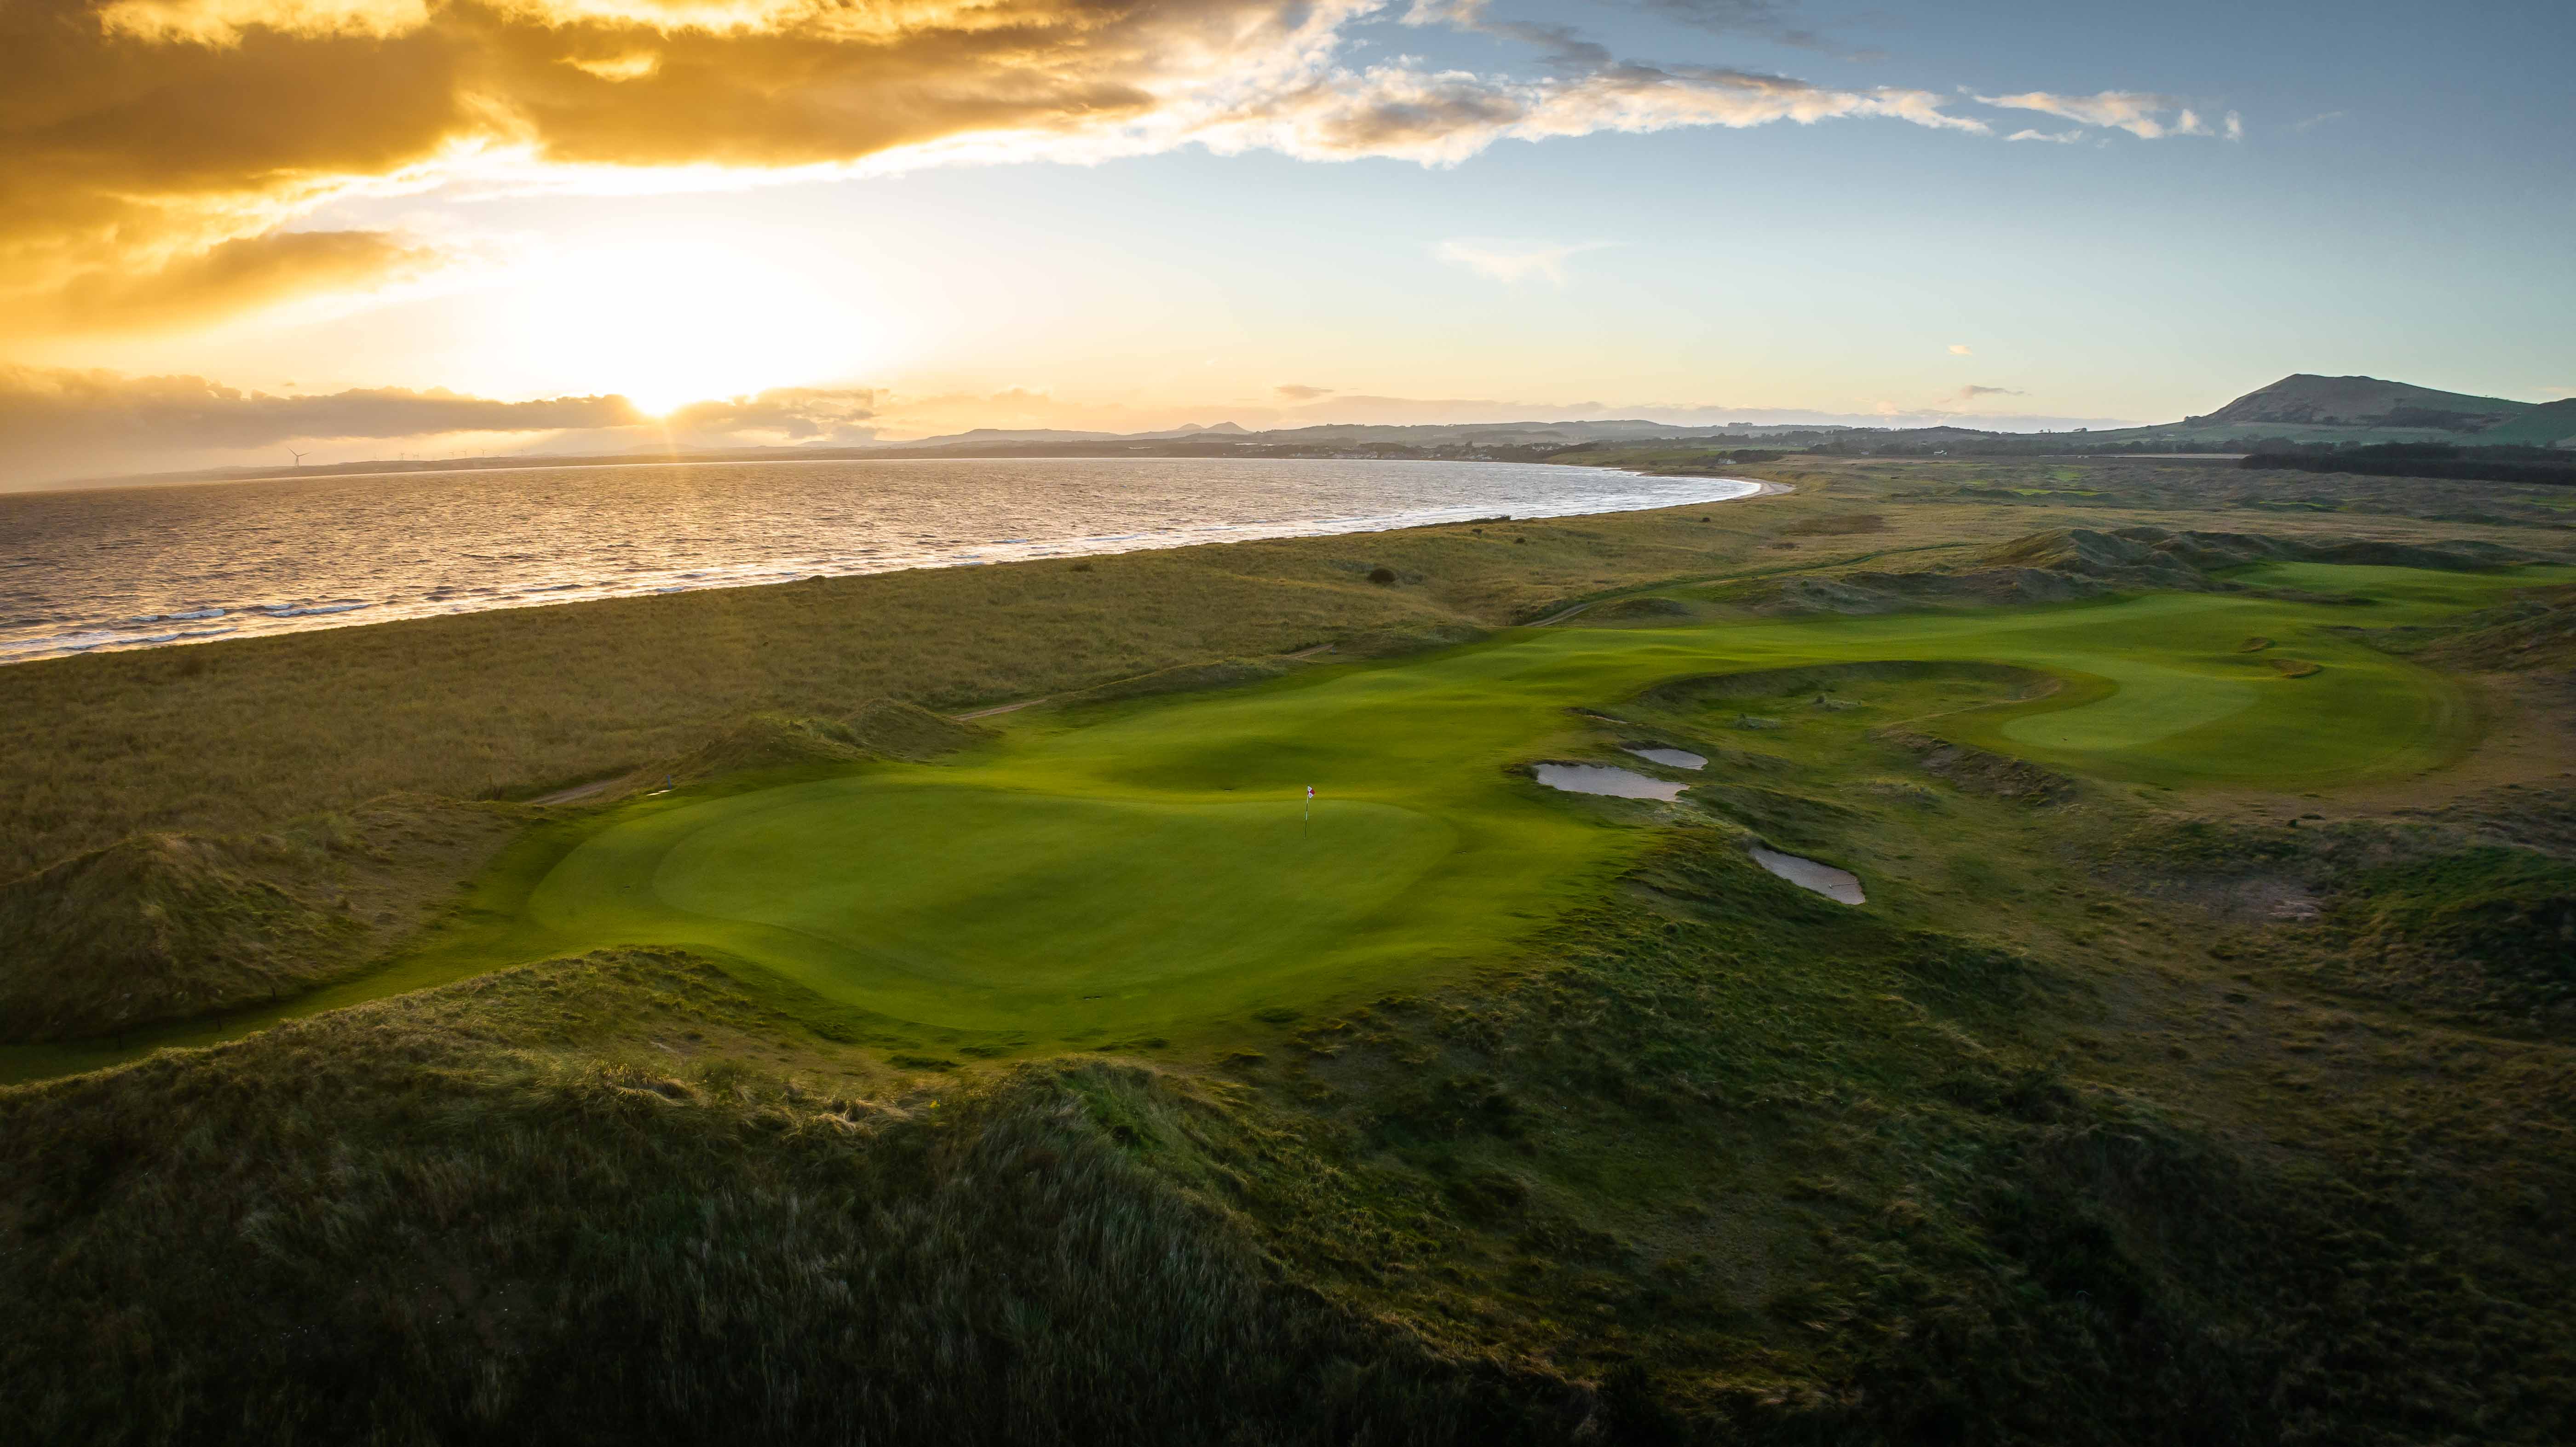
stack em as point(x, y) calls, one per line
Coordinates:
point(1310, 801)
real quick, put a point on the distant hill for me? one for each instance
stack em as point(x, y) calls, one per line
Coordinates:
point(1478, 432)
point(2306, 400)
point(2548, 424)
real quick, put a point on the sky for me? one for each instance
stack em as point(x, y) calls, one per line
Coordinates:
point(234, 230)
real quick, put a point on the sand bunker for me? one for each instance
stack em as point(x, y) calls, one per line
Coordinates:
point(1824, 879)
point(1604, 779)
point(1671, 758)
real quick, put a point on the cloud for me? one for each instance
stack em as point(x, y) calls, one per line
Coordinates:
point(58, 423)
point(1513, 261)
point(1299, 392)
point(1764, 18)
point(2061, 137)
point(1972, 392)
point(2312, 122)
point(1961, 349)
point(1560, 45)
point(786, 414)
point(180, 141)
point(243, 274)
point(2235, 126)
point(2137, 112)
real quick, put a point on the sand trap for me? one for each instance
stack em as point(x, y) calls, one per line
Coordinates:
point(1603, 779)
point(1824, 879)
point(1672, 758)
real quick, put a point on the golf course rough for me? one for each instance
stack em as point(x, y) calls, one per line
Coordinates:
point(1139, 873)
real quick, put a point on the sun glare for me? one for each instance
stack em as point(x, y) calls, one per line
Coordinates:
point(668, 323)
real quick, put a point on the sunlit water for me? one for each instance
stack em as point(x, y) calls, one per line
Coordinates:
point(140, 567)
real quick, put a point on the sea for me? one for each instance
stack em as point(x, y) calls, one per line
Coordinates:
point(148, 567)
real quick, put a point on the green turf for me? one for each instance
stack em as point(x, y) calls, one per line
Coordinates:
point(1130, 874)
point(970, 907)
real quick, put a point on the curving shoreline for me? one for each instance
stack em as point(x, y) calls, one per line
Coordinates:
point(460, 547)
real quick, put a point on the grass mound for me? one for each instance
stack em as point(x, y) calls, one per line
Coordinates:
point(493, 1213)
point(156, 928)
point(168, 926)
point(2537, 630)
point(2487, 930)
point(1650, 610)
point(896, 729)
point(1404, 642)
point(2296, 667)
point(2254, 644)
point(1823, 678)
point(2067, 564)
point(1187, 678)
point(1980, 772)
point(762, 742)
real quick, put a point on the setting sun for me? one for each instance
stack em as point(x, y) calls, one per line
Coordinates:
point(670, 322)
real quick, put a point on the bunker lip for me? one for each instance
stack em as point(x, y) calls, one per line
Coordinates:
point(1605, 779)
point(1836, 884)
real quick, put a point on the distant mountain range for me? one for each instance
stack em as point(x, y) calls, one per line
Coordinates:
point(2299, 409)
point(2302, 408)
point(1446, 434)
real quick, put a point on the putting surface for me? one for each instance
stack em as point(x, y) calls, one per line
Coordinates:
point(952, 905)
point(1136, 873)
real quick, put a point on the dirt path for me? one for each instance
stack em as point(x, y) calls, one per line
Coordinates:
point(577, 792)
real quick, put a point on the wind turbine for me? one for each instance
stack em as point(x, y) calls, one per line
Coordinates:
point(298, 456)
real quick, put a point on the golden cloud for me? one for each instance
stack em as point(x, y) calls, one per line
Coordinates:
point(173, 139)
point(59, 422)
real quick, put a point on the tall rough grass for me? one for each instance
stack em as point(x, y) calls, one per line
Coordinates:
point(429, 1222)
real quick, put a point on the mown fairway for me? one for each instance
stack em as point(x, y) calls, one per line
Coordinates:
point(1132, 874)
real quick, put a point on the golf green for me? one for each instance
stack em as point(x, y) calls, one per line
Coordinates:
point(1142, 871)
point(948, 904)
